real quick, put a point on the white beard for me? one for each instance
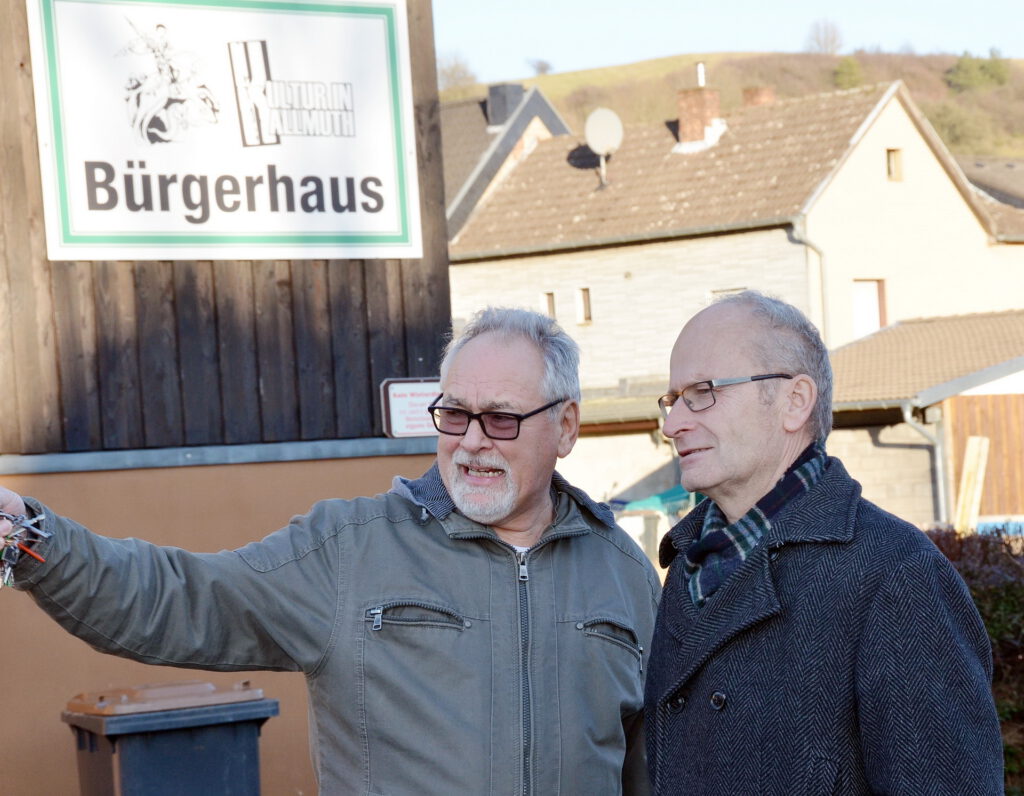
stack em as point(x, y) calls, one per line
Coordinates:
point(486, 505)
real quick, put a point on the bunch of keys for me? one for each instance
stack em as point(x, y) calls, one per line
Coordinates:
point(12, 544)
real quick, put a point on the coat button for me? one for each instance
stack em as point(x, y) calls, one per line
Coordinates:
point(677, 703)
point(718, 700)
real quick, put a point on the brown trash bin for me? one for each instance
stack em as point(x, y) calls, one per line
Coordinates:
point(169, 739)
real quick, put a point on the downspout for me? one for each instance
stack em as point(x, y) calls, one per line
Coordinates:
point(800, 236)
point(938, 453)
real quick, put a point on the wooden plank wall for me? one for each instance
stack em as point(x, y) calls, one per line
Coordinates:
point(120, 355)
point(1001, 419)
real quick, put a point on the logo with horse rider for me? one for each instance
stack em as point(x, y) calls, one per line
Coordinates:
point(168, 98)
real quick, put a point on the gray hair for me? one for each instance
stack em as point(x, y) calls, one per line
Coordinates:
point(796, 348)
point(560, 352)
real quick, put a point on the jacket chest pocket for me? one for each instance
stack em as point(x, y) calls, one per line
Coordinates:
point(424, 673)
point(613, 632)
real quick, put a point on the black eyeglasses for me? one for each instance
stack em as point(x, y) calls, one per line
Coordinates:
point(496, 425)
point(701, 396)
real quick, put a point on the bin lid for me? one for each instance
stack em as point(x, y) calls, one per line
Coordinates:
point(160, 696)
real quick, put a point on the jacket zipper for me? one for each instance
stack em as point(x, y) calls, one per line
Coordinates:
point(524, 660)
point(524, 633)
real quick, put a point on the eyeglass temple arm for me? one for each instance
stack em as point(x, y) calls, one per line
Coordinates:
point(744, 379)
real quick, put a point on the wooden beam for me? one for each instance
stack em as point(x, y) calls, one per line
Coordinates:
point(29, 332)
point(425, 281)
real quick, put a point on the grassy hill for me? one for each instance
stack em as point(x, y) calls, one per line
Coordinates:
point(975, 104)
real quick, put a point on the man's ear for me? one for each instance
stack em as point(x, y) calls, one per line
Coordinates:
point(568, 428)
point(800, 394)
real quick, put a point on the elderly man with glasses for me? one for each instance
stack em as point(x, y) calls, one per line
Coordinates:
point(480, 630)
point(807, 642)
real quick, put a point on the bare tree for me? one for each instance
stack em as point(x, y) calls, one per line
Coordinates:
point(453, 72)
point(539, 66)
point(824, 37)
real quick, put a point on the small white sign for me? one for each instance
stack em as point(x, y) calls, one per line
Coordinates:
point(404, 405)
point(225, 129)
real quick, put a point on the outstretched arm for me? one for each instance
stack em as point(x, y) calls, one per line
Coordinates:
point(231, 611)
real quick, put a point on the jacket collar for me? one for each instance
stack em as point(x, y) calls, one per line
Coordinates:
point(430, 494)
point(811, 517)
point(826, 513)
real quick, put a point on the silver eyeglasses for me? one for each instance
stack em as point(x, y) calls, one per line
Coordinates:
point(701, 396)
point(496, 425)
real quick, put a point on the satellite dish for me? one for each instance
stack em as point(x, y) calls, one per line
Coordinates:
point(603, 131)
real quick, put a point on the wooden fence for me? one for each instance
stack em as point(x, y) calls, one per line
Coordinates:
point(1001, 419)
point(119, 355)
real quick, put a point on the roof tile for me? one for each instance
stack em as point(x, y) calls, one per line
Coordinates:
point(900, 361)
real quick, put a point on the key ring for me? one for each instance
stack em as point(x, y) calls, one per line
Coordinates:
point(12, 544)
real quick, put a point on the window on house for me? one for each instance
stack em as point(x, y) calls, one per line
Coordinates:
point(894, 164)
point(583, 305)
point(547, 301)
point(868, 306)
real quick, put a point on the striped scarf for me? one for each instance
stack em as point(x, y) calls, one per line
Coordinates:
point(721, 549)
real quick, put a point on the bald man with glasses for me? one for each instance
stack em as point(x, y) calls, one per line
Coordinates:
point(482, 629)
point(807, 642)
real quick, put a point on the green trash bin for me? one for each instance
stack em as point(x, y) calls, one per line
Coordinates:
point(169, 739)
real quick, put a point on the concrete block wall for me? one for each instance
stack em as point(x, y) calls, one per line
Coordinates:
point(894, 467)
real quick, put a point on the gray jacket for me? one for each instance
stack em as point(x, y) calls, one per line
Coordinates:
point(438, 660)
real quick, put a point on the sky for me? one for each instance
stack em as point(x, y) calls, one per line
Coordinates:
point(498, 38)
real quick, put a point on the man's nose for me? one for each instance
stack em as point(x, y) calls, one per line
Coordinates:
point(680, 418)
point(474, 439)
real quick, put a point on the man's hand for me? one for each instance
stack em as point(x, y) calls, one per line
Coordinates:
point(10, 503)
point(14, 526)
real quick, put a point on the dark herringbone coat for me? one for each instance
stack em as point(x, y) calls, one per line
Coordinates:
point(844, 657)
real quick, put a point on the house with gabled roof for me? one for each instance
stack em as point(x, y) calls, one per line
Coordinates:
point(846, 204)
point(910, 396)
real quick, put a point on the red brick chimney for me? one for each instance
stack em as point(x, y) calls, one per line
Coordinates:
point(758, 95)
point(697, 108)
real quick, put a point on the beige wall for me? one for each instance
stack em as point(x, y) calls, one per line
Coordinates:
point(199, 508)
point(624, 466)
point(641, 295)
point(893, 465)
point(918, 234)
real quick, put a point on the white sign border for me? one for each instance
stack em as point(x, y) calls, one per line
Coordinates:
point(63, 244)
